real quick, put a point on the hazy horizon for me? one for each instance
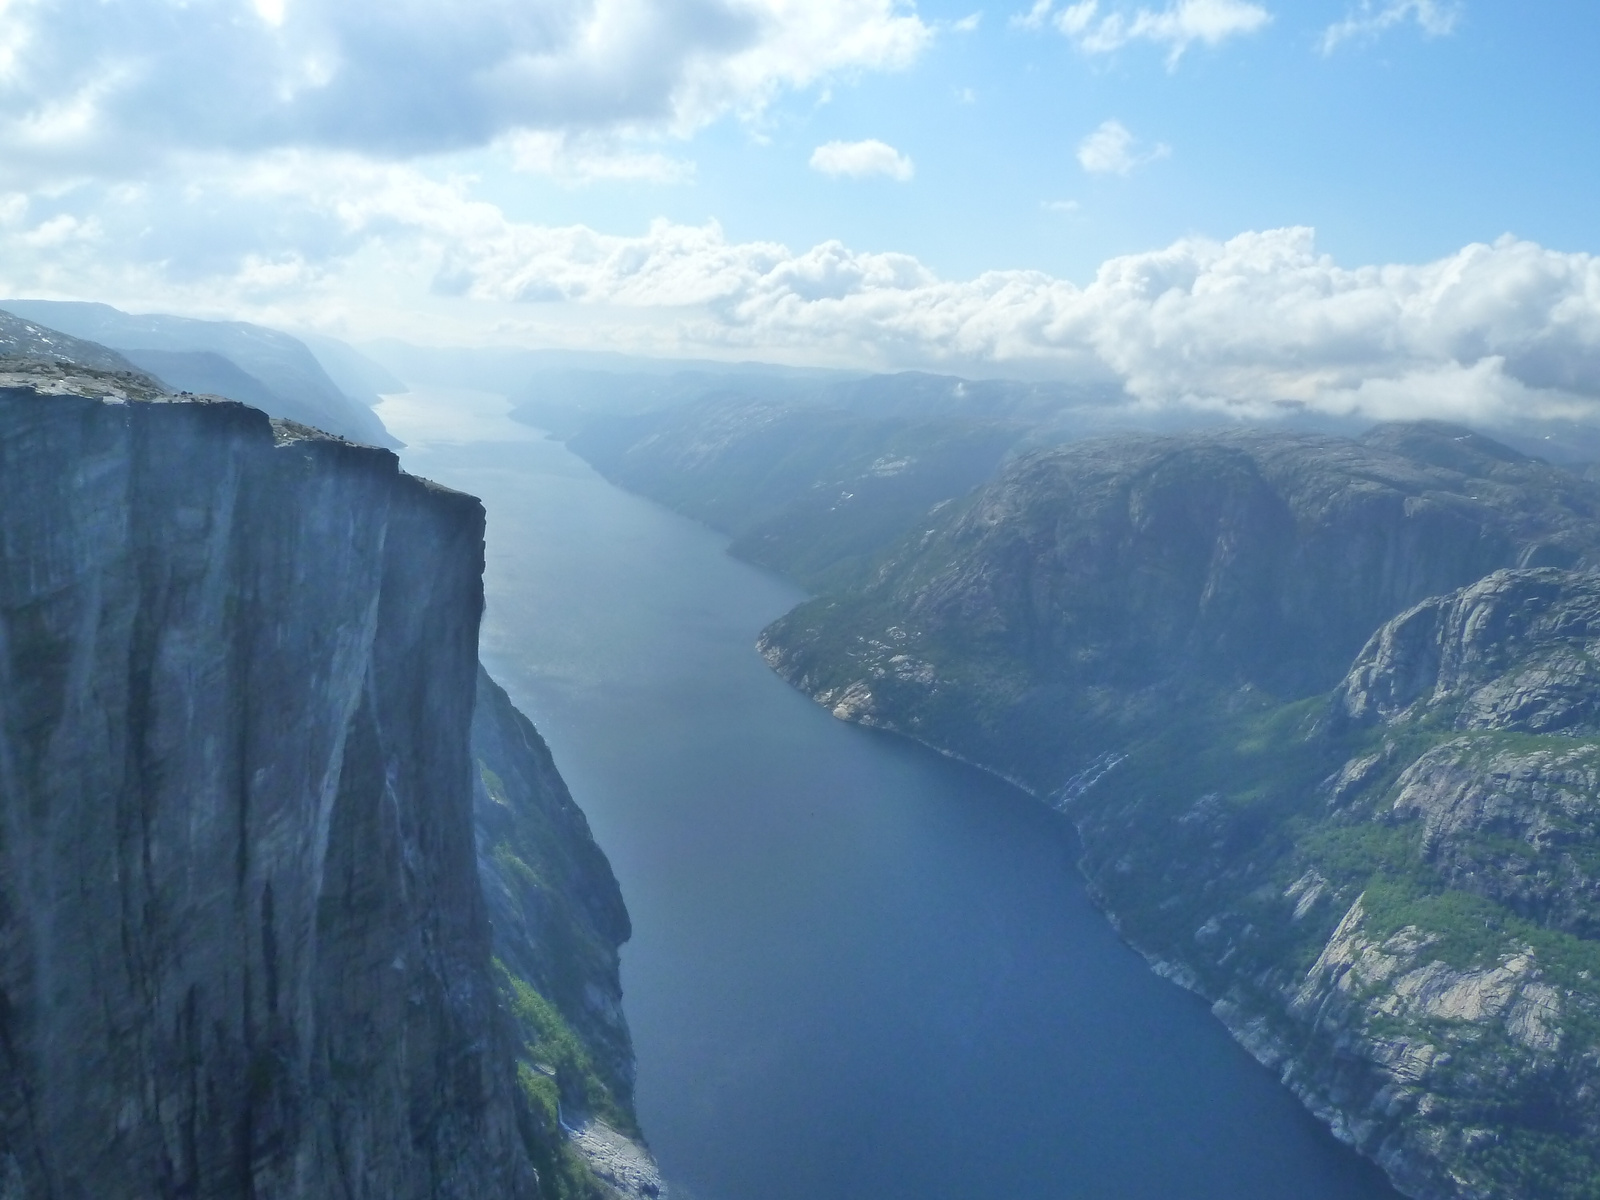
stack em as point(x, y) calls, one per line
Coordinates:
point(1372, 208)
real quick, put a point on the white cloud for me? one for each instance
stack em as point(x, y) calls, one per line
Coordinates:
point(1485, 333)
point(1035, 17)
point(1177, 27)
point(870, 157)
point(1494, 332)
point(1110, 150)
point(102, 88)
point(578, 160)
point(968, 23)
point(1434, 18)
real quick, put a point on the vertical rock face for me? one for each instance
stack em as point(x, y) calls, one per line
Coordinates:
point(243, 945)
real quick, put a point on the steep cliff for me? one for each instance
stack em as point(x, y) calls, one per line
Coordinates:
point(244, 945)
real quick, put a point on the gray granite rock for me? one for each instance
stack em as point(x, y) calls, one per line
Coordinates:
point(243, 946)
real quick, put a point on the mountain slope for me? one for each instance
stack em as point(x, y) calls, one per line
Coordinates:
point(1093, 587)
point(25, 340)
point(1390, 893)
point(557, 919)
point(286, 380)
point(811, 491)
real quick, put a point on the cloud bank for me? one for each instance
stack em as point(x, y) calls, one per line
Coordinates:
point(1492, 332)
point(114, 88)
point(1488, 332)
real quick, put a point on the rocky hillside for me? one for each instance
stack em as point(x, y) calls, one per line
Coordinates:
point(25, 342)
point(557, 919)
point(245, 948)
point(1092, 587)
point(1384, 875)
point(1391, 893)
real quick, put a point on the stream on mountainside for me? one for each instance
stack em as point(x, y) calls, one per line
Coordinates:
point(859, 971)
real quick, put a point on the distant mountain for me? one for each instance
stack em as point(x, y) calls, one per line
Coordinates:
point(519, 372)
point(24, 339)
point(813, 476)
point(358, 376)
point(807, 489)
point(204, 372)
point(279, 373)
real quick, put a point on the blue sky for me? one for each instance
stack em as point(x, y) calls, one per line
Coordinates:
point(1214, 201)
point(1398, 146)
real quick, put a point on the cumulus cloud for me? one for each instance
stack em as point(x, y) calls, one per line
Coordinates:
point(1177, 27)
point(1369, 21)
point(1112, 150)
point(101, 88)
point(1260, 319)
point(1494, 332)
point(870, 157)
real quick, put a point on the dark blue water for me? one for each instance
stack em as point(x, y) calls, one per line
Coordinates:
point(859, 971)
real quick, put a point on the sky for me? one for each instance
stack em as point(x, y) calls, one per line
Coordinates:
point(1376, 206)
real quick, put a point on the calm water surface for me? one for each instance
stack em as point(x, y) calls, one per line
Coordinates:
point(858, 971)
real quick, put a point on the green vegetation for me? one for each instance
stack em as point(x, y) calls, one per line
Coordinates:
point(557, 918)
point(1546, 1165)
point(1205, 840)
point(549, 1041)
point(559, 1084)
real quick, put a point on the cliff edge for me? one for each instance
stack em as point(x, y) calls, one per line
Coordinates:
point(244, 943)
